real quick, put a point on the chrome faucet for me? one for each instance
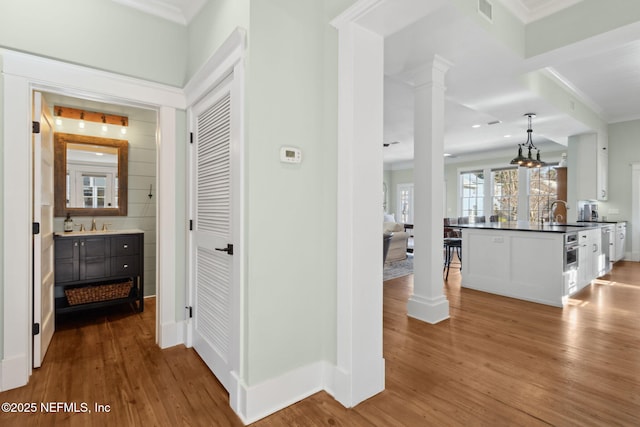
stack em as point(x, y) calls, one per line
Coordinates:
point(93, 225)
point(557, 218)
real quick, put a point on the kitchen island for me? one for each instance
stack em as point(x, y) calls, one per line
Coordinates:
point(527, 261)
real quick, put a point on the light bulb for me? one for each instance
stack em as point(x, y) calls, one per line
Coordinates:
point(81, 124)
point(123, 130)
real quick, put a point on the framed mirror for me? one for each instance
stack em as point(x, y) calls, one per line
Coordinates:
point(90, 175)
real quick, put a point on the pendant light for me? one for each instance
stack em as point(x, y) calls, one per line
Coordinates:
point(528, 161)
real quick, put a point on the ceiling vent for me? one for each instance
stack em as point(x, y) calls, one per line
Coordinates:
point(485, 9)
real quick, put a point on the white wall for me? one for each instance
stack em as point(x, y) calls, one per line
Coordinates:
point(623, 150)
point(290, 237)
point(99, 33)
point(211, 27)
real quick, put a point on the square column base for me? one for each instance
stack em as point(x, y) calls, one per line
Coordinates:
point(430, 310)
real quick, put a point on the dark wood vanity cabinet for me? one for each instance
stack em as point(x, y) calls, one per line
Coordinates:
point(87, 260)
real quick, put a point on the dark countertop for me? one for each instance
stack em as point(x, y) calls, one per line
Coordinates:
point(599, 222)
point(527, 226)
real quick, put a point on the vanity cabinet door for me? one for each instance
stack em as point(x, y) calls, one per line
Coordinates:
point(67, 253)
point(94, 252)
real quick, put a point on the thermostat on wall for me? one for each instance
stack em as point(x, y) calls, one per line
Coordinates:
point(290, 155)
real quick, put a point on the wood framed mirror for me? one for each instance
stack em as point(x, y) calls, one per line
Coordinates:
point(90, 175)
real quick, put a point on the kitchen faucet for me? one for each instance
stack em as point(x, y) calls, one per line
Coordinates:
point(552, 209)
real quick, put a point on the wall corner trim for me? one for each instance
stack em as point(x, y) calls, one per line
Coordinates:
point(252, 403)
point(171, 334)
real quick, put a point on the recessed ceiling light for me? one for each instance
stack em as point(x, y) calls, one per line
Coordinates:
point(476, 126)
point(447, 154)
point(507, 136)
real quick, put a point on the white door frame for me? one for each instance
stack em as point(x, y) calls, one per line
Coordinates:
point(23, 73)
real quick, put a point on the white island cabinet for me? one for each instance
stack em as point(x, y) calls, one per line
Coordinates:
point(519, 264)
point(524, 261)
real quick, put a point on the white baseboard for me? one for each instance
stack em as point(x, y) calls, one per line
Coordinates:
point(252, 403)
point(170, 334)
point(13, 373)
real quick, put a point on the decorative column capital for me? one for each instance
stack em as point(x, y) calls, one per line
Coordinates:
point(432, 72)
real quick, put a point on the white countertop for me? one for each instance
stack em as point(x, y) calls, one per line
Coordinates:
point(97, 233)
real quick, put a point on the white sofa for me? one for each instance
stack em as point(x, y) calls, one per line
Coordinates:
point(398, 245)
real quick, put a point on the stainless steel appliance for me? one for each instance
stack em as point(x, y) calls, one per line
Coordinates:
point(589, 212)
point(608, 247)
point(621, 235)
point(570, 251)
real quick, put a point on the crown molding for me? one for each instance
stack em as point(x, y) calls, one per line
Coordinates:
point(530, 14)
point(167, 10)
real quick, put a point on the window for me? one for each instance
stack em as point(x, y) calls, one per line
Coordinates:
point(505, 194)
point(472, 193)
point(91, 189)
point(405, 203)
point(543, 190)
point(94, 189)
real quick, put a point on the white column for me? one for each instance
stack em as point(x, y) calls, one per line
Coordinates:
point(360, 369)
point(428, 302)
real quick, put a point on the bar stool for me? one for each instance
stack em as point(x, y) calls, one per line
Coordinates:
point(451, 244)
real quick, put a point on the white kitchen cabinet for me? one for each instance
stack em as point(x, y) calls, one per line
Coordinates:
point(620, 240)
point(592, 167)
point(591, 259)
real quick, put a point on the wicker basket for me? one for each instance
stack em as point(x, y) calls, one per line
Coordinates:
point(95, 293)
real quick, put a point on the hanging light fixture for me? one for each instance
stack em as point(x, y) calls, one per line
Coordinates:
point(528, 161)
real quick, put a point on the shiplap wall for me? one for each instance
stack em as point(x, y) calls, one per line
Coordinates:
point(141, 134)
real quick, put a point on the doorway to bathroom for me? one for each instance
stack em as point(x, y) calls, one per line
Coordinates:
point(94, 187)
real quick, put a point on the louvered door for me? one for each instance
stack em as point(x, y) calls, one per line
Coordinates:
point(212, 246)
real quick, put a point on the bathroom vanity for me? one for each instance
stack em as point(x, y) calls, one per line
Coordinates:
point(98, 268)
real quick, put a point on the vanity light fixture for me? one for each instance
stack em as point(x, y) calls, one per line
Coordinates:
point(528, 161)
point(124, 128)
point(91, 116)
point(81, 124)
point(58, 116)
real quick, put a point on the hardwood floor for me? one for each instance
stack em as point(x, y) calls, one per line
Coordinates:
point(496, 361)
